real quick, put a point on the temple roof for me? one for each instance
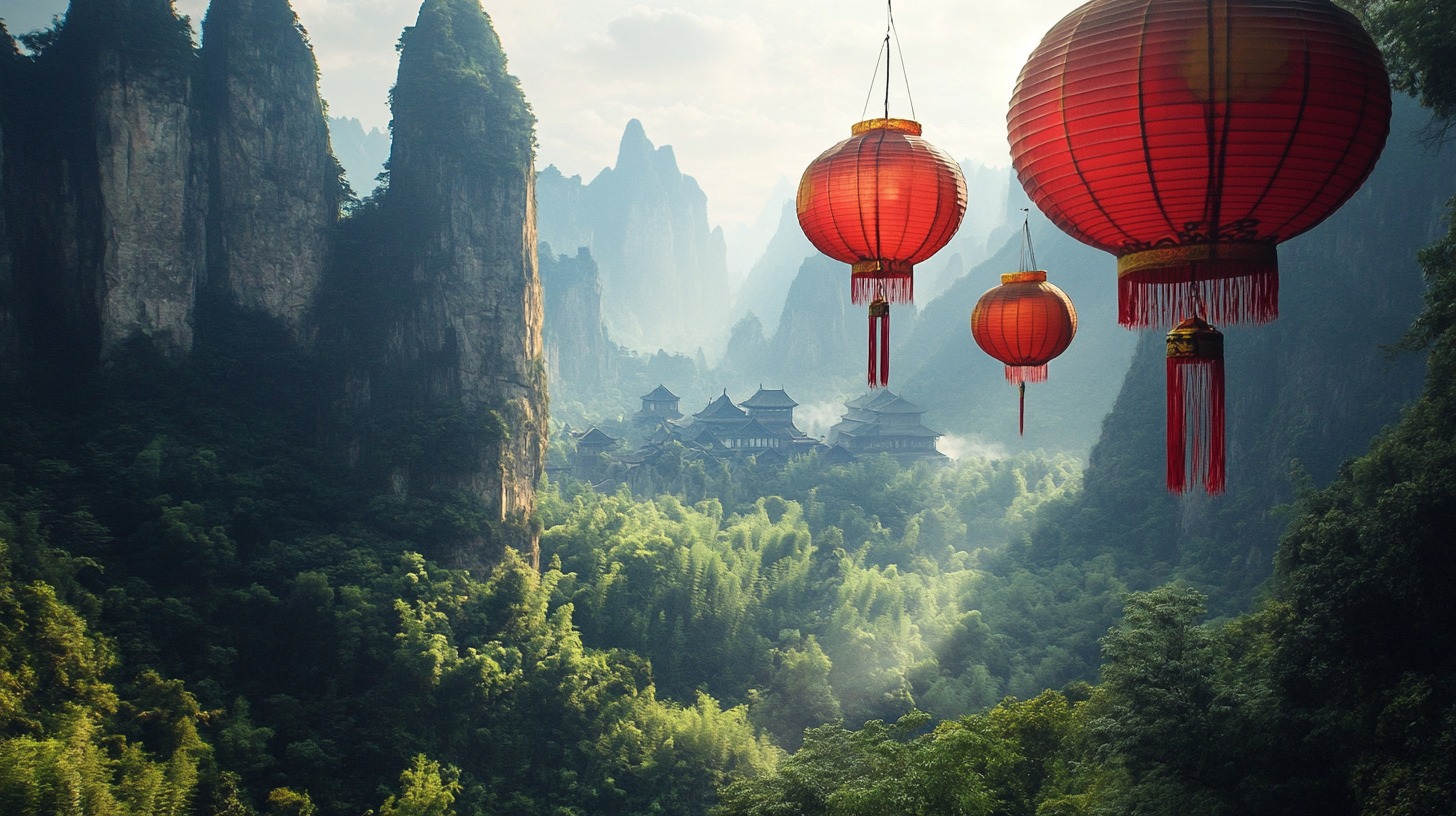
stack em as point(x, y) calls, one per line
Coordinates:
point(595, 437)
point(883, 401)
point(721, 408)
point(769, 398)
point(750, 429)
point(897, 405)
point(891, 431)
point(660, 394)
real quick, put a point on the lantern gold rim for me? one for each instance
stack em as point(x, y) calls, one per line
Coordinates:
point(909, 126)
point(881, 267)
point(1243, 252)
point(1034, 276)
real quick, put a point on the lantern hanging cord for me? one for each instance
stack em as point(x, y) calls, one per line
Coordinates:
point(1027, 252)
point(884, 55)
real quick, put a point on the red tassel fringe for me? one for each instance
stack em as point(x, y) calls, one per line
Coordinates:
point(1195, 424)
point(878, 374)
point(1165, 298)
point(1025, 374)
point(893, 287)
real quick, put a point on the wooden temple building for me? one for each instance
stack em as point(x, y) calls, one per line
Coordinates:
point(761, 427)
point(885, 422)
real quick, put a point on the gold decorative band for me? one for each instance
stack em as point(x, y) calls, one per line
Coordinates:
point(909, 126)
point(1165, 256)
point(881, 267)
point(1024, 277)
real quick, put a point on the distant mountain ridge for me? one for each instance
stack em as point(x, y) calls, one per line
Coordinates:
point(362, 154)
point(664, 269)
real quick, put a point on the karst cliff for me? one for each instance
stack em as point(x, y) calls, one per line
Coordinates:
point(155, 196)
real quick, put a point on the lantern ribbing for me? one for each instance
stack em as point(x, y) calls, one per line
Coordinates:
point(1189, 137)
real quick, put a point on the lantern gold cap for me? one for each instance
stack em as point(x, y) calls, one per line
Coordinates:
point(909, 126)
point(1035, 276)
point(1194, 337)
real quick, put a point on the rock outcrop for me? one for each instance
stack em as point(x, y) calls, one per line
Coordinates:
point(102, 189)
point(273, 182)
point(579, 355)
point(453, 331)
point(151, 197)
point(149, 250)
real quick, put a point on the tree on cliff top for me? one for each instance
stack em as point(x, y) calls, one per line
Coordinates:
point(453, 91)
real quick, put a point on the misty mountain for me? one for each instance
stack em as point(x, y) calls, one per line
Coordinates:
point(989, 220)
point(663, 269)
point(747, 241)
point(362, 154)
point(767, 285)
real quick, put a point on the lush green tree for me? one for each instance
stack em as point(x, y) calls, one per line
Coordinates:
point(426, 789)
point(798, 695)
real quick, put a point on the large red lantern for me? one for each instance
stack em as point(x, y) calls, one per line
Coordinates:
point(1025, 323)
point(1189, 137)
point(882, 201)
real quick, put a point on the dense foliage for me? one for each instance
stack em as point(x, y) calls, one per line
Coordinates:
point(295, 633)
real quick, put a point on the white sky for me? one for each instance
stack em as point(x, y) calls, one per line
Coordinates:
point(746, 91)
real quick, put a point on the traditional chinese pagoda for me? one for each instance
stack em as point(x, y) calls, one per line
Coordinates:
point(658, 405)
point(885, 422)
point(764, 423)
point(590, 446)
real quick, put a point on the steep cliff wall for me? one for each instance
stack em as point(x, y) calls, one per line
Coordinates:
point(102, 197)
point(9, 334)
point(151, 225)
point(579, 356)
point(273, 186)
point(439, 298)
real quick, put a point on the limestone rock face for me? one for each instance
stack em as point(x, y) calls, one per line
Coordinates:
point(9, 334)
point(102, 195)
point(578, 351)
point(459, 322)
point(273, 183)
point(150, 192)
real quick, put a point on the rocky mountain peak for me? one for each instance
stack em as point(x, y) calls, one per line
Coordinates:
point(459, 309)
point(274, 184)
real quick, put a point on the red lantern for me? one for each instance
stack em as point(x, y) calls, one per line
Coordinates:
point(1188, 137)
point(882, 200)
point(1025, 323)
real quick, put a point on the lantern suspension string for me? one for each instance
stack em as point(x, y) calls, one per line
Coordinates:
point(884, 55)
point(1027, 252)
point(904, 75)
point(887, 73)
